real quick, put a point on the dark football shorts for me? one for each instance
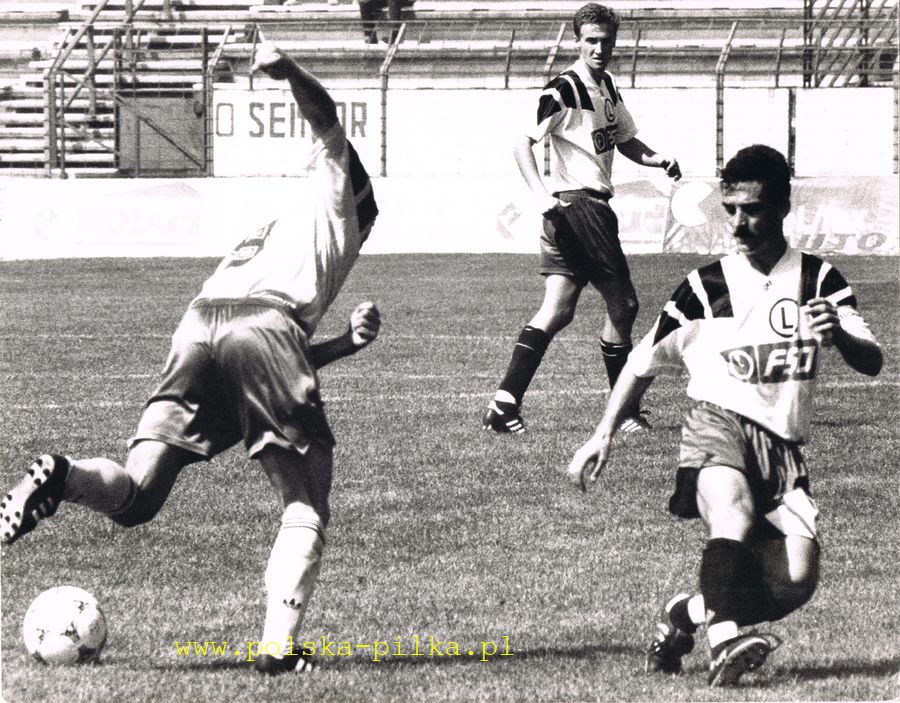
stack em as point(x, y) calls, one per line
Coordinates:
point(581, 240)
point(237, 370)
point(714, 436)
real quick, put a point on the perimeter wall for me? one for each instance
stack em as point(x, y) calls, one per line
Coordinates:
point(451, 184)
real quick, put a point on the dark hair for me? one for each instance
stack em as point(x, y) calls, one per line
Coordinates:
point(593, 13)
point(763, 164)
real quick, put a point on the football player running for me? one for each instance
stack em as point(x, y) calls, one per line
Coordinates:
point(749, 328)
point(582, 113)
point(242, 367)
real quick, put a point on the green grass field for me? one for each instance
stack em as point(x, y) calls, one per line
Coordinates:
point(439, 529)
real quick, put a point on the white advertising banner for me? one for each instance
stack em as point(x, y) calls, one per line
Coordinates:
point(261, 132)
point(207, 216)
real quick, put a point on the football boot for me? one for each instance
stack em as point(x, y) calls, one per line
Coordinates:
point(35, 497)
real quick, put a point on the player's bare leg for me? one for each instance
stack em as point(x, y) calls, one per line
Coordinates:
point(153, 467)
point(131, 495)
point(791, 573)
point(557, 310)
point(303, 482)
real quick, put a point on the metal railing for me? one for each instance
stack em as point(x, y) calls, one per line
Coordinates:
point(841, 43)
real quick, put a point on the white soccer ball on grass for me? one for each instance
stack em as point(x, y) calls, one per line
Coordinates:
point(64, 625)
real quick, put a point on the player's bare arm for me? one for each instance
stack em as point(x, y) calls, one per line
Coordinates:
point(314, 102)
point(590, 459)
point(635, 150)
point(524, 155)
point(365, 323)
point(834, 326)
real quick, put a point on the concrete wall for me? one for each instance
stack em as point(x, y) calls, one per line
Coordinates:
point(442, 132)
point(452, 184)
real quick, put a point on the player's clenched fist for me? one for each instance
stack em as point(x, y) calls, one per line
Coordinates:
point(365, 322)
point(823, 319)
point(270, 60)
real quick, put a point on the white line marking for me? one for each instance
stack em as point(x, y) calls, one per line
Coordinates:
point(483, 395)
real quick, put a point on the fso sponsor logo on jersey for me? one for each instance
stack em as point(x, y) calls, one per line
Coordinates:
point(604, 138)
point(795, 360)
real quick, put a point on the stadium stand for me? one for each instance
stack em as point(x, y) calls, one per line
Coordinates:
point(77, 80)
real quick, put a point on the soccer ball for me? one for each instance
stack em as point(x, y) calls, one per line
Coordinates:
point(64, 625)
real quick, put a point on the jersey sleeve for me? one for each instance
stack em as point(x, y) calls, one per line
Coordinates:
point(626, 128)
point(822, 280)
point(660, 351)
point(556, 98)
point(853, 323)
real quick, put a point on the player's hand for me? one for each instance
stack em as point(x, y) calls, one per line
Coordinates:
point(365, 322)
point(270, 60)
point(672, 168)
point(548, 205)
point(822, 319)
point(588, 461)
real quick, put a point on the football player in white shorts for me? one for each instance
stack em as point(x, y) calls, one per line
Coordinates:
point(242, 368)
point(750, 329)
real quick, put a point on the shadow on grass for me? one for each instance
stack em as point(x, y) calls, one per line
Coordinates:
point(840, 669)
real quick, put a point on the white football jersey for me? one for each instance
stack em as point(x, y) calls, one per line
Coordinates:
point(584, 121)
point(303, 257)
point(744, 339)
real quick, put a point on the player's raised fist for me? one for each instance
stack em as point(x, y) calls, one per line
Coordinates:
point(672, 168)
point(365, 322)
point(270, 60)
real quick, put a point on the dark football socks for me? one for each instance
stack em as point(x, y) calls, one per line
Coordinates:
point(730, 581)
point(526, 357)
point(614, 358)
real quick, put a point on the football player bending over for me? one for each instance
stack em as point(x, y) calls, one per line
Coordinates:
point(242, 368)
point(749, 328)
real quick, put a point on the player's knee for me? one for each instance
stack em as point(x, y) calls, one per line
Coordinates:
point(552, 319)
point(139, 512)
point(624, 312)
point(729, 521)
point(786, 597)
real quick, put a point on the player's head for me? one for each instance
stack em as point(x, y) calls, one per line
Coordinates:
point(594, 13)
point(595, 28)
point(756, 195)
point(763, 164)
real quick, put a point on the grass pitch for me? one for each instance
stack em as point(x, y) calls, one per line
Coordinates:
point(440, 530)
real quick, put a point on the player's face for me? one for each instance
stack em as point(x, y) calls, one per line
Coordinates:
point(596, 45)
point(756, 223)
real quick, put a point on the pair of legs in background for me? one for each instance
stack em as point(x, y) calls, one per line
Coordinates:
point(579, 245)
point(373, 11)
point(255, 371)
point(761, 559)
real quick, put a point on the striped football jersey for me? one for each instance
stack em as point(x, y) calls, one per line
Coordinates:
point(584, 122)
point(744, 338)
point(303, 257)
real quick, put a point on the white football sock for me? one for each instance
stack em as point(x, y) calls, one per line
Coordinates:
point(697, 610)
point(505, 397)
point(291, 576)
point(101, 485)
point(720, 632)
